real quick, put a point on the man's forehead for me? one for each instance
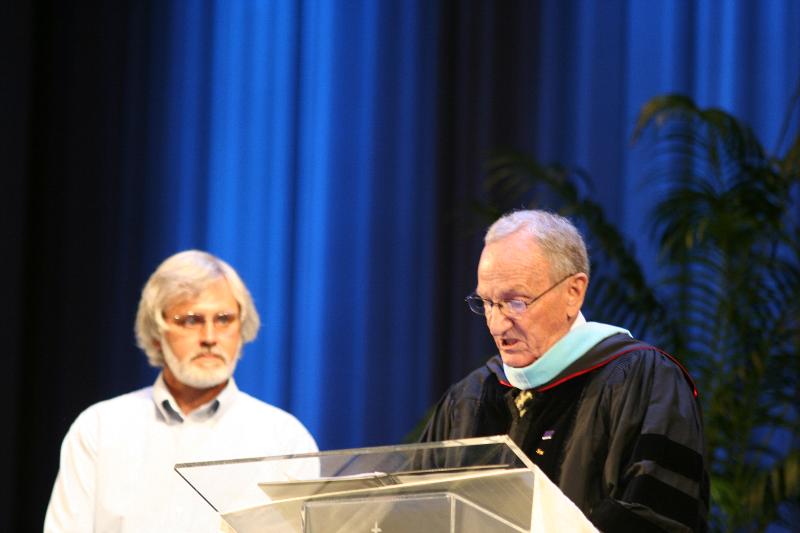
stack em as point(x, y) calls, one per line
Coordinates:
point(511, 264)
point(507, 275)
point(512, 251)
point(215, 291)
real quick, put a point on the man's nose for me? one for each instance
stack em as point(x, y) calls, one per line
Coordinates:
point(208, 334)
point(498, 322)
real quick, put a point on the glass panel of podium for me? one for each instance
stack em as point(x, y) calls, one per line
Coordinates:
point(470, 485)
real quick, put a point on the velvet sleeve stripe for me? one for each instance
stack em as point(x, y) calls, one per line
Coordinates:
point(670, 455)
point(609, 515)
point(663, 499)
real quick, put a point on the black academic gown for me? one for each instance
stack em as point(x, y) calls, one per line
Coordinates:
point(619, 431)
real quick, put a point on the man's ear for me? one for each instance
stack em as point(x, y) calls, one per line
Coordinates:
point(576, 291)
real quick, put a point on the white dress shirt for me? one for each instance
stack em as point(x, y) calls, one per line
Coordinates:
point(117, 460)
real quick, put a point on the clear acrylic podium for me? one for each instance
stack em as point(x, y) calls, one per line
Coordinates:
point(465, 486)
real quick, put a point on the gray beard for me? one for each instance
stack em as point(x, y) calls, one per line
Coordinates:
point(198, 378)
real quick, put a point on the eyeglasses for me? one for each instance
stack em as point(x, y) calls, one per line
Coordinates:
point(192, 321)
point(513, 308)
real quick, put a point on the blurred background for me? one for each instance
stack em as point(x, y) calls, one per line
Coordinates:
point(336, 153)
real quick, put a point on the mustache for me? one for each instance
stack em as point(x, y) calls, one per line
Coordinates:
point(215, 352)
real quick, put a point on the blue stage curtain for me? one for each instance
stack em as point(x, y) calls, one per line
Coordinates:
point(298, 143)
point(298, 140)
point(600, 61)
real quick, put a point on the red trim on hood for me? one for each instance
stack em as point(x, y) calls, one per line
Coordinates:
point(587, 370)
point(683, 368)
point(605, 362)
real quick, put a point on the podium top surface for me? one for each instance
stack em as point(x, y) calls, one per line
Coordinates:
point(234, 485)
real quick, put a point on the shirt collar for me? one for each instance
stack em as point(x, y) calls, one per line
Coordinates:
point(579, 321)
point(171, 412)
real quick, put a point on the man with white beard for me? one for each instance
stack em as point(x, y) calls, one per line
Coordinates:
point(117, 459)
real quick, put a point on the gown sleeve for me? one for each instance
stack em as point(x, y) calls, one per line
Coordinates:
point(654, 477)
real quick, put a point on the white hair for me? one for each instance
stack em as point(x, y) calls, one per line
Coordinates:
point(183, 276)
point(557, 237)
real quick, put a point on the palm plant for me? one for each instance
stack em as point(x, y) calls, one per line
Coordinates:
point(728, 232)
